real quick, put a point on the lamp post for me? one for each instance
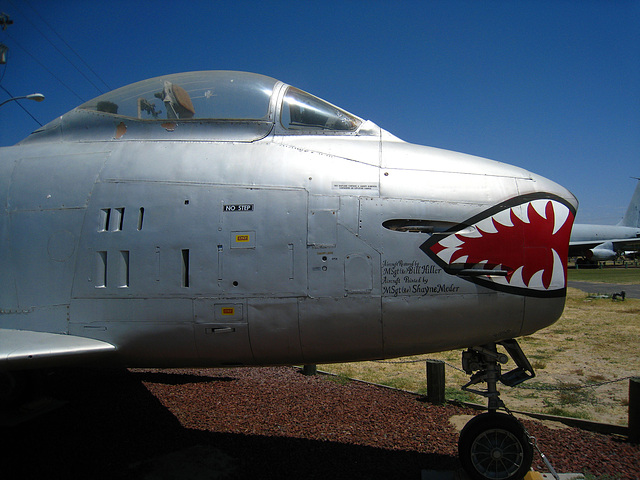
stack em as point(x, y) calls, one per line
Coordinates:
point(38, 97)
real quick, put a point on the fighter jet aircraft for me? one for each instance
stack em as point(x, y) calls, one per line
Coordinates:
point(597, 243)
point(226, 218)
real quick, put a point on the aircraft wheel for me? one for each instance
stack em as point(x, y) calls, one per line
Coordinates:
point(495, 446)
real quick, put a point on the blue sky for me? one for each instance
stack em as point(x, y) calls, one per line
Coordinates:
point(552, 86)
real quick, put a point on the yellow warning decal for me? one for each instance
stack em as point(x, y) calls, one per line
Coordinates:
point(228, 311)
point(242, 238)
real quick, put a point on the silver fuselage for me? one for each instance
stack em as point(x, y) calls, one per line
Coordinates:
point(216, 245)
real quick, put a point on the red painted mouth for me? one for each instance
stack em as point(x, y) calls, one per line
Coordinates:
point(520, 246)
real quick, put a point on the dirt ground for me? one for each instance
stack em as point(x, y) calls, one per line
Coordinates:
point(582, 364)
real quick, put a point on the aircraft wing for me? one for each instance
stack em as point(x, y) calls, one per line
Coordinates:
point(576, 248)
point(20, 349)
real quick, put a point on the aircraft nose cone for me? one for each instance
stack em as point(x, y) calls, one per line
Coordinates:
point(538, 183)
point(542, 311)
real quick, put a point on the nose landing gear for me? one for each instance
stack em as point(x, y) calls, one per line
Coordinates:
point(495, 445)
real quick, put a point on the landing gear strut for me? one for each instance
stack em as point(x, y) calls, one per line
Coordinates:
point(495, 445)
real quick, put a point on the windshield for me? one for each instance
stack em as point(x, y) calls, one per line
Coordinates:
point(301, 111)
point(220, 95)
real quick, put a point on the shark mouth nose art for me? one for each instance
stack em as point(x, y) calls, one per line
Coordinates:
point(519, 246)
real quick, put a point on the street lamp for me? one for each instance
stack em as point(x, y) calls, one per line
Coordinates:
point(38, 97)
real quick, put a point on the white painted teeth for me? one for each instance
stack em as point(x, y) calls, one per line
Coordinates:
point(540, 206)
point(487, 225)
point(492, 225)
point(452, 241)
point(462, 259)
point(561, 213)
point(536, 279)
point(446, 254)
point(557, 279)
point(504, 218)
point(521, 212)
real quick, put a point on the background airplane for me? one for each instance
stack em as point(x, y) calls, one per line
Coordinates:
point(226, 218)
point(594, 243)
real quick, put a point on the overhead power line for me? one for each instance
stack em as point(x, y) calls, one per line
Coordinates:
point(21, 106)
point(47, 39)
point(69, 47)
point(4, 21)
point(46, 68)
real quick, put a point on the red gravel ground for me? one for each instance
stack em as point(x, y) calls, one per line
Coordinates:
point(260, 423)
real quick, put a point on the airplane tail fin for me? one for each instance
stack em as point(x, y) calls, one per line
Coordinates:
point(632, 217)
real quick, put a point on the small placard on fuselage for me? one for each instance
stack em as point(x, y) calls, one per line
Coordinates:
point(238, 207)
point(246, 239)
point(228, 312)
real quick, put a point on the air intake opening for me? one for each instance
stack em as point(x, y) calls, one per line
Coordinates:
point(418, 226)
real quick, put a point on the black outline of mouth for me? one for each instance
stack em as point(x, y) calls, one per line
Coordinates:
point(499, 282)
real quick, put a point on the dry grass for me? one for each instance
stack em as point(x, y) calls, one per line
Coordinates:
point(595, 340)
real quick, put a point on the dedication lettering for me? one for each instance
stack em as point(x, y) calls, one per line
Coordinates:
point(402, 278)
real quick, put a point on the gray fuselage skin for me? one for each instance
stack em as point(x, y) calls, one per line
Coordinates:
point(194, 248)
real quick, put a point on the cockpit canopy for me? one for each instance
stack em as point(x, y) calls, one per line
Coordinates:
point(199, 95)
point(223, 95)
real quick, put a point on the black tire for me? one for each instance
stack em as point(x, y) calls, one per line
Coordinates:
point(495, 446)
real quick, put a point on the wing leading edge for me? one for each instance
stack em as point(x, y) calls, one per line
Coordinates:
point(21, 349)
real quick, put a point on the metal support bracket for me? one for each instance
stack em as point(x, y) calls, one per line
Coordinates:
point(524, 370)
point(483, 364)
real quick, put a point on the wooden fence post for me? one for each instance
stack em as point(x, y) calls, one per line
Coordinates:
point(634, 410)
point(435, 382)
point(309, 369)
